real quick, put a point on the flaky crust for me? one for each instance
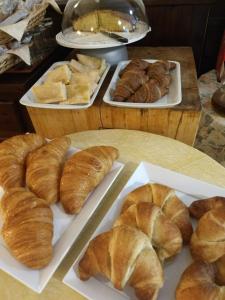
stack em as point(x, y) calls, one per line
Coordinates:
point(82, 173)
point(198, 283)
point(163, 234)
point(166, 199)
point(13, 152)
point(28, 227)
point(124, 255)
point(44, 168)
point(200, 207)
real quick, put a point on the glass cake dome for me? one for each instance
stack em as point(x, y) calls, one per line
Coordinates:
point(89, 24)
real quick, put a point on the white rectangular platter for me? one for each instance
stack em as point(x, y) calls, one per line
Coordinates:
point(173, 98)
point(188, 189)
point(66, 230)
point(29, 100)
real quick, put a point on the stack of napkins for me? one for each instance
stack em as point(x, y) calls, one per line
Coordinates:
point(72, 83)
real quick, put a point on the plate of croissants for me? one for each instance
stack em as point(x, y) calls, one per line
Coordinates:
point(48, 192)
point(143, 83)
point(70, 84)
point(163, 239)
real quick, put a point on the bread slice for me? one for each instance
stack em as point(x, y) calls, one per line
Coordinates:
point(50, 92)
point(78, 93)
point(60, 74)
point(87, 22)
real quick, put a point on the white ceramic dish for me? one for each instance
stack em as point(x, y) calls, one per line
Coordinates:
point(66, 230)
point(29, 100)
point(173, 98)
point(96, 289)
point(89, 40)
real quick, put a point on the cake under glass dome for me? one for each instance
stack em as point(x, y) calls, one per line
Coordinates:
point(86, 23)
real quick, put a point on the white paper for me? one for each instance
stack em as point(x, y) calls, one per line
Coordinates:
point(188, 190)
point(23, 53)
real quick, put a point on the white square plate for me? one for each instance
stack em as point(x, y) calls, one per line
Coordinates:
point(29, 100)
point(174, 96)
point(66, 230)
point(97, 288)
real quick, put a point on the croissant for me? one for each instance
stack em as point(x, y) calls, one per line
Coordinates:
point(124, 254)
point(137, 63)
point(208, 240)
point(13, 152)
point(82, 173)
point(166, 199)
point(130, 81)
point(198, 283)
point(200, 207)
point(44, 168)
point(163, 234)
point(28, 227)
point(160, 67)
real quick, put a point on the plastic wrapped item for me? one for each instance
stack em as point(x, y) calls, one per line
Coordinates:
point(85, 21)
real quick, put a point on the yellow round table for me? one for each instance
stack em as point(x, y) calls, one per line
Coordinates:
point(134, 146)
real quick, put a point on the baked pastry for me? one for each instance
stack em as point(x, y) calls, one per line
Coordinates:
point(90, 61)
point(163, 234)
point(82, 173)
point(198, 283)
point(199, 207)
point(51, 92)
point(28, 227)
point(208, 240)
point(165, 198)
point(124, 254)
point(13, 152)
point(104, 20)
point(79, 93)
point(44, 168)
point(137, 63)
point(60, 74)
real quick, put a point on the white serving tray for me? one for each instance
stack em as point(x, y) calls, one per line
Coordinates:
point(173, 98)
point(66, 230)
point(96, 289)
point(29, 100)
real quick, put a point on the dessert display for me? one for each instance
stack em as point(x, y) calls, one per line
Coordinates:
point(82, 173)
point(143, 82)
point(36, 174)
point(104, 20)
point(140, 226)
point(71, 83)
point(27, 227)
point(205, 277)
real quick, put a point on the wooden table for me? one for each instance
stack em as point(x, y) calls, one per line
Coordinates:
point(180, 122)
point(134, 146)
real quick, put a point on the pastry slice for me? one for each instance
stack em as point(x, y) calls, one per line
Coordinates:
point(44, 167)
point(87, 22)
point(114, 21)
point(79, 93)
point(50, 92)
point(90, 61)
point(76, 66)
point(60, 74)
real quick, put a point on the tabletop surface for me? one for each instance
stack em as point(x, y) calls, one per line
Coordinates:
point(134, 146)
point(183, 55)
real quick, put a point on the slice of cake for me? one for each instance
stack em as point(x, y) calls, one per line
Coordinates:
point(78, 93)
point(50, 92)
point(110, 20)
point(87, 22)
point(60, 74)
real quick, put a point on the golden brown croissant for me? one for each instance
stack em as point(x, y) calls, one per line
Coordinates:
point(82, 173)
point(137, 63)
point(124, 254)
point(44, 168)
point(208, 240)
point(199, 207)
point(27, 228)
point(198, 283)
point(13, 152)
point(166, 199)
point(163, 234)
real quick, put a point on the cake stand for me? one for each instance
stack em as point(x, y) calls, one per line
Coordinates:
point(98, 44)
